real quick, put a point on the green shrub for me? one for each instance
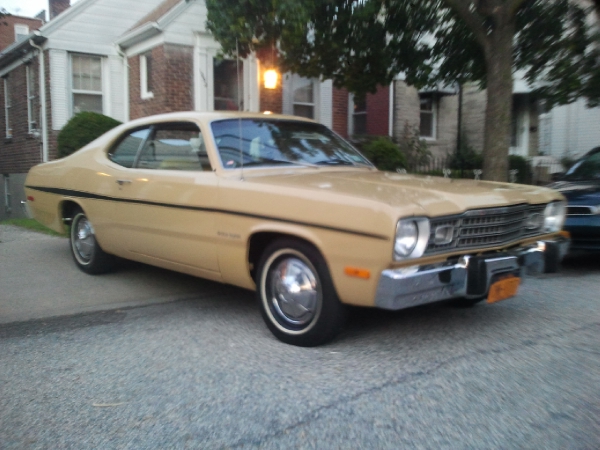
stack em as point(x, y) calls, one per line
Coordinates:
point(82, 129)
point(381, 151)
point(467, 158)
point(413, 148)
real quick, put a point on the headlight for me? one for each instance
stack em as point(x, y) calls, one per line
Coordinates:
point(411, 240)
point(554, 217)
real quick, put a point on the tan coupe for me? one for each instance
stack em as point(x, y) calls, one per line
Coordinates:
point(284, 206)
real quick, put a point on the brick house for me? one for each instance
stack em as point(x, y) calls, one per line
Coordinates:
point(132, 58)
point(64, 66)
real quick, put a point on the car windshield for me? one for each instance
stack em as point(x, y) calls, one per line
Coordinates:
point(264, 142)
point(587, 168)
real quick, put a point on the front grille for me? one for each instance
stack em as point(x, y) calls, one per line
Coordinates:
point(484, 228)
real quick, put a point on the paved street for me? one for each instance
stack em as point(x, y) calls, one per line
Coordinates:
point(161, 360)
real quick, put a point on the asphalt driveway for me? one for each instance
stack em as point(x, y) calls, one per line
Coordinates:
point(38, 279)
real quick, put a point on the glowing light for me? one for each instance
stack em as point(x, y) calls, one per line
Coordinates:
point(267, 112)
point(271, 78)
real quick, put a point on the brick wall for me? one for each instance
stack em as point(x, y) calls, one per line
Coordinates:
point(23, 150)
point(406, 108)
point(271, 99)
point(58, 7)
point(340, 111)
point(172, 81)
point(7, 28)
point(378, 111)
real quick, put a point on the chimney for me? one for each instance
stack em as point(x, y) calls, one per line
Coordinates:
point(58, 6)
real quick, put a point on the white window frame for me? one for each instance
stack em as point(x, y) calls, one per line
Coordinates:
point(315, 92)
point(352, 114)
point(7, 108)
point(30, 81)
point(21, 30)
point(74, 91)
point(433, 112)
point(144, 75)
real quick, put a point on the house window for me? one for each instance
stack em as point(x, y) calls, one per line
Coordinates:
point(427, 125)
point(359, 115)
point(227, 84)
point(303, 96)
point(30, 76)
point(86, 83)
point(21, 32)
point(7, 108)
point(146, 76)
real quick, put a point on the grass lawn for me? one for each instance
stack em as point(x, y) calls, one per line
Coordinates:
point(30, 224)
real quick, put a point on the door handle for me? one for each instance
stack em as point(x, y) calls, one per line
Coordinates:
point(122, 182)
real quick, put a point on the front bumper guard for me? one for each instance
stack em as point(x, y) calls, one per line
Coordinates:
point(468, 277)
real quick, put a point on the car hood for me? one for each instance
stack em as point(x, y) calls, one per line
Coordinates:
point(579, 192)
point(423, 195)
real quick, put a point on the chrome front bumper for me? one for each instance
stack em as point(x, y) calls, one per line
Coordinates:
point(468, 277)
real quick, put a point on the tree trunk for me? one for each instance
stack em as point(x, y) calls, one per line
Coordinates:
point(499, 60)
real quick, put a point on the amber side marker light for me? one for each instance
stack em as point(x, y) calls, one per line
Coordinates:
point(357, 272)
point(565, 234)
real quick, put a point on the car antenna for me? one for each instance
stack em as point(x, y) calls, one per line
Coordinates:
point(237, 74)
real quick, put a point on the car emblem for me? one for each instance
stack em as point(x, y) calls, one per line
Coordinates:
point(443, 235)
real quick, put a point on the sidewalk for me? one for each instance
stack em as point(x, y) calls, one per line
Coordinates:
point(38, 279)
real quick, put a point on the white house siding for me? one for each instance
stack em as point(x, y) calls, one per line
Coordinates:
point(183, 28)
point(96, 26)
point(570, 130)
point(91, 28)
point(117, 88)
point(287, 104)
point(326, 103)
point(59, 97)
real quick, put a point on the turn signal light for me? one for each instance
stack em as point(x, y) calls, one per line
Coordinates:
point(357, 272)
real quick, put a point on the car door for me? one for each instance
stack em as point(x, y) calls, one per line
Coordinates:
point(165, 197)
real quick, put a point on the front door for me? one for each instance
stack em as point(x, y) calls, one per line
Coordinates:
point(165, 194)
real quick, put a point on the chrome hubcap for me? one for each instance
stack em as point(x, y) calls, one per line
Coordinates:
point(294, 291)
point(83, 239)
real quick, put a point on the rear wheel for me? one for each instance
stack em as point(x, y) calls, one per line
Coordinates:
point(297, 298)
point(87, 253)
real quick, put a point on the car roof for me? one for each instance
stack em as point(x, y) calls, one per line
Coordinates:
point(212, 116)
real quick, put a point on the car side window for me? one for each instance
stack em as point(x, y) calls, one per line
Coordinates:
point(174, 146)
point(126, 150)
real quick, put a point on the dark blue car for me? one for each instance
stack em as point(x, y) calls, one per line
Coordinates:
point(581, 186)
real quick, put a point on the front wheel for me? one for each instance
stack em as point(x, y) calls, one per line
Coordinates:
point(297, 298)
point(87, 253)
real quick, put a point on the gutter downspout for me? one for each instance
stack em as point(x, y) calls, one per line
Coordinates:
point(123, 55)
point(43, 100)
